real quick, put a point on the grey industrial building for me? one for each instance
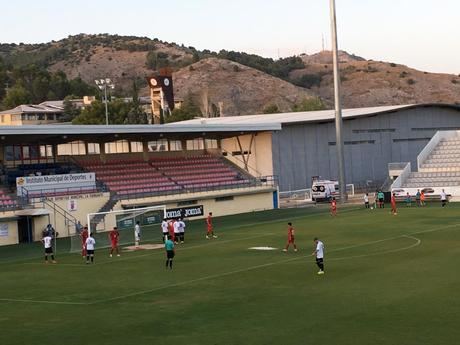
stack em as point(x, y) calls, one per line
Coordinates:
point(305, 146)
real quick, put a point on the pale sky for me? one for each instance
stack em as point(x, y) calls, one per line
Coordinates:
point(423, 34)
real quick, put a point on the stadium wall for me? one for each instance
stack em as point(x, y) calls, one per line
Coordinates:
point(8, 231)
point(260, 152)
point(303, 150)
point(220, 203)
point(84, 203)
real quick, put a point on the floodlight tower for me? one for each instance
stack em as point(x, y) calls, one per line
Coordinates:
point(338, 107)
point(103, 84)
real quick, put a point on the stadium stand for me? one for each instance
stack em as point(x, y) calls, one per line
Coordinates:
point(441, 168)
point(161, 175)
point(6, 200)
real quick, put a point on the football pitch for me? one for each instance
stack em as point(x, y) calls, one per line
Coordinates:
point(389, 280)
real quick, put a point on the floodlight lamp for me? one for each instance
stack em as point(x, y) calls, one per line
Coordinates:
point(108, 81)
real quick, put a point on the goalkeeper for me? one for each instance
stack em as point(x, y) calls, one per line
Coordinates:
point(137, 234)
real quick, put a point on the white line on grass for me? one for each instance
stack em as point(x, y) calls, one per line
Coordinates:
point(417, 243)
point(115, 260)
point(347, 210)
point(247, 269)
point(40, 301)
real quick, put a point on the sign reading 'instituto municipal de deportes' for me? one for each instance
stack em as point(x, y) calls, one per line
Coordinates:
point(50, 182)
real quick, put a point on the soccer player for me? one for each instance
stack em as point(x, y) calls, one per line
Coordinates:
point(381, 199)
point(169, 246)
point(393, 205)
point(182, 230)
point(164, 229)
point(417, 198)
point(171, 229)
point(333, 207)
point(114, 235)
point(291, 239)
point(137, 234)
point(319, 255)
point(443, 198)
point(48, 244)
point(90, 243)
point(209, 226)
point(422, 198)
point(84, 236)
point(366, 200)
point(176, 231)
point(408, 200)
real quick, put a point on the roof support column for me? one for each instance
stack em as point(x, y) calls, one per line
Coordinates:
point(145, 150)
point(102, 152)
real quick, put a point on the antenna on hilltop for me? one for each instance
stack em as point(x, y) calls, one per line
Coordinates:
point(322, 41)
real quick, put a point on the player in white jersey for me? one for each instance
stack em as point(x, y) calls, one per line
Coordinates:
point(176, 231)
point(443, 198)
point(164, 229)
point(137, 234)
point(48, 244)
point(90, 245)
point(181, 230)
point(319, 254)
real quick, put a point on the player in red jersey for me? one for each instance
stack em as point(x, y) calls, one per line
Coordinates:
point(393, 205)
point(84, 235)
point(291, 239)
point(171, 229)
point(209, 226)
point(114, 235)
point(333, 207)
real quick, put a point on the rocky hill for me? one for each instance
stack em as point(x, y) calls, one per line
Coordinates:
point(235, 89)
point(235, 83)
point(373, 83)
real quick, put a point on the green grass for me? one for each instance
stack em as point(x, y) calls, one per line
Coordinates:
point(389, 280)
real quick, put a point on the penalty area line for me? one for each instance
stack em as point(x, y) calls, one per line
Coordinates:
point(153, 252)
point(247, 269)
point(41, 301)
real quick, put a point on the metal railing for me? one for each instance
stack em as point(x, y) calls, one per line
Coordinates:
point(402, 178)
point(27, 195)
point(263, 181)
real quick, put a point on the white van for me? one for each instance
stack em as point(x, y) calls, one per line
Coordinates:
point(324, 190)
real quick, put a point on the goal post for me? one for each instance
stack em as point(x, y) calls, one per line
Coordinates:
point(100, 223)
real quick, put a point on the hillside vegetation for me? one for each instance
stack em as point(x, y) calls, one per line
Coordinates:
point(225, 82)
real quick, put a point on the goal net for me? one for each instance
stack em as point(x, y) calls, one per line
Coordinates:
point(100, 223)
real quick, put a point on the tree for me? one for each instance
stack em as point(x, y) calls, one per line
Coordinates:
point(136, 115)
point(120, 112)
point(93, 114)
point(309, 104)
point(16, 96)
point(187, 111)
point(271, 109)
point(70, 110)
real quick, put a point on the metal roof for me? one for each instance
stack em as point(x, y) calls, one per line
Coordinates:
point(306, 116)
point(34, 109)
point(58, 133)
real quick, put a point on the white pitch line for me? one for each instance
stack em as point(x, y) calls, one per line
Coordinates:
point(247, 269)
point(115, 260)
point(347, 210)
point(417, 243)
point(243, 269)
point(40, 301)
